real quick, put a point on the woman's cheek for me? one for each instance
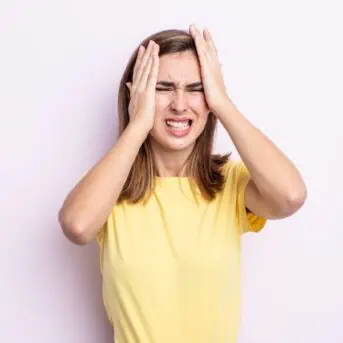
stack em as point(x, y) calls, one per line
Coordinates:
point(198, 102)
point(161, 102)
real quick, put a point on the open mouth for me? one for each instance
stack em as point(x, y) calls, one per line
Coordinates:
point(179, 125)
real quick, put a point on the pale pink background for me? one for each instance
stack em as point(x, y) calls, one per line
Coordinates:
point(60, 65)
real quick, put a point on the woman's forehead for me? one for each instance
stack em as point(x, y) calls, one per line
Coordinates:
point(179, 68)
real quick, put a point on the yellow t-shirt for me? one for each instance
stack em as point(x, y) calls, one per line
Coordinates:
point(171, 269)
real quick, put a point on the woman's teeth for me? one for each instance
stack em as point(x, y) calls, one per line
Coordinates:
point(177, 125)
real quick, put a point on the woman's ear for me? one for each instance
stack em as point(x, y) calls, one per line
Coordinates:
point(128, 85)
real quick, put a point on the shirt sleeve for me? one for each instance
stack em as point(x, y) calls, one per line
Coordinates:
point(100, 238)
point(247, 221)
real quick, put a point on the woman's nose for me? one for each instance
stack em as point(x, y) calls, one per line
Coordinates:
point(179, 101)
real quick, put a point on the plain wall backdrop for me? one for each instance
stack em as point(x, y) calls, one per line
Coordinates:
point(60, 66)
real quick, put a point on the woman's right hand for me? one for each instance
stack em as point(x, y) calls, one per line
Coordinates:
point(142, 88)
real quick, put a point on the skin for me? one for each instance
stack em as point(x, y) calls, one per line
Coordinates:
point(183, 68)
point(170, 152)
point(276, 189)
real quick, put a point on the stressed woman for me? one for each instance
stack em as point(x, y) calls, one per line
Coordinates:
point(166, 212)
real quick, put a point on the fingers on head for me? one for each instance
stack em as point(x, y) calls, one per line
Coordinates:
point(141, 51)
point(140, 63)
point(209, 40)
point(152, 77)
point(145, 64)
point(143, 80)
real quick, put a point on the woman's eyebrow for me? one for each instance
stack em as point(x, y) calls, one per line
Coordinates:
point(172, 84)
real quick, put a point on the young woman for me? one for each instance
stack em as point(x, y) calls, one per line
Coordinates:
point(168, 213)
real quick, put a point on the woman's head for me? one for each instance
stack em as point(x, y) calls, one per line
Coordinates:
point(179, 100)
point(179, 95)
point(178, 68)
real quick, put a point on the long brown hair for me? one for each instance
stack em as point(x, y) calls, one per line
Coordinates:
point(203, 167)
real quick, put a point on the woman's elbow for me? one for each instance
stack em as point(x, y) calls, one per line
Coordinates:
point(74, 233)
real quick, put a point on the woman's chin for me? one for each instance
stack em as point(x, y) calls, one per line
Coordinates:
point(173, 143)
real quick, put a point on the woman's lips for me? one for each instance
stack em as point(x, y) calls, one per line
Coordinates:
point(179, 132)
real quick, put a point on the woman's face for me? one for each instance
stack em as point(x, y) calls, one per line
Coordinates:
point(181, 108)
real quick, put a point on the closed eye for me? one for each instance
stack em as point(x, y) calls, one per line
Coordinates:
point(163, 89)
point(169, 89)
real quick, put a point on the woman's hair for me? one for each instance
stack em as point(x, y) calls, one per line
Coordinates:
point(203, 167)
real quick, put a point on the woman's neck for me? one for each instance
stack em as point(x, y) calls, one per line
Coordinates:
point(170, 163)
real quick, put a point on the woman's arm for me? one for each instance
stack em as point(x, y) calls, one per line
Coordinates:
point(88, 205)
point(277, 189)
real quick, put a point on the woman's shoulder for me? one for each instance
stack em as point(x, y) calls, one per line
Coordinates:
point(231, 165)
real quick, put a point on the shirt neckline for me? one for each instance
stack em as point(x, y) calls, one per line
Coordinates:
point(172, 180)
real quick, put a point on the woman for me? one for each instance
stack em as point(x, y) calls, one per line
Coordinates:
point(166, 212)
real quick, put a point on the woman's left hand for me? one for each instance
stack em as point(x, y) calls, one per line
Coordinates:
point(211, 73)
